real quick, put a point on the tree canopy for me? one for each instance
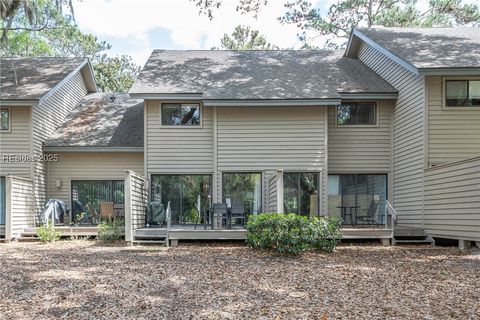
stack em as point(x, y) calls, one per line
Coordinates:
point(244, 38)
point(31, 28)
point(337, 22)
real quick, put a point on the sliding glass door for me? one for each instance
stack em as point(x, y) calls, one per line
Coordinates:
point(361, 196)
point(2, 200)
point(183, 192)
point(301, 193)
point(243, 189)
point(87, 195)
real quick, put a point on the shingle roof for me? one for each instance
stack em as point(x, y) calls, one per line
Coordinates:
point(99, 121)
point(32, 78)
point(286, 74)
point(430, 47)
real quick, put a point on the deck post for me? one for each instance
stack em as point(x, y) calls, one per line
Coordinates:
point(464, 244)
point(173, 242)
point(8, 207)
point(128, 208)
point(385, 241)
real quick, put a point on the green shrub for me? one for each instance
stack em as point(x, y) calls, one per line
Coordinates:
point(47, 233)
point(292, 233)
point(109, 230)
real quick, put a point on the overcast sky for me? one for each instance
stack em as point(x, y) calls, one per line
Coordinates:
point(136, 27)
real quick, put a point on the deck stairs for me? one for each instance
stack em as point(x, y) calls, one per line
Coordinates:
point(27, 235)
point(411, 235)
point(152, 236)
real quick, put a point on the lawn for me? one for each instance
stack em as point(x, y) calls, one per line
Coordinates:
point(83, 280)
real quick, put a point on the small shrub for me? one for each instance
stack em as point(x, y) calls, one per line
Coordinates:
point(78, 238)
point(292, 233)
point(109, 230)
point(47, 233)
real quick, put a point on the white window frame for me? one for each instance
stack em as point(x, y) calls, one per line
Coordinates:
point(444, 93)
point(9, 120)
point(377, 119)
point(200, 106)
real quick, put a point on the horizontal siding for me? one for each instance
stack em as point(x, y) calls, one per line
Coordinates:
point(16, 142)
point(269, 138)
point(178, 150)
point(453, 135)
point(47, 117)
point(452, 200)
point(353, 149)
point(94, 166)
point(408, 134)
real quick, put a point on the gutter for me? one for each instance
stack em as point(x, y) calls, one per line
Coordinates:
point(17, 103)
point(270, 102)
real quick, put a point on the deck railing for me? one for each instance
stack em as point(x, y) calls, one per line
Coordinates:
point(392, 213)
point(168, 217)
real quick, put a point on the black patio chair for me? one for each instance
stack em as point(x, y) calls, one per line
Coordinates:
point(370, 218)
point(238, 213)
point(220, 210)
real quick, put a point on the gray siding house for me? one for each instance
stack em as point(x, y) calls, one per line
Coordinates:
point(388, 128)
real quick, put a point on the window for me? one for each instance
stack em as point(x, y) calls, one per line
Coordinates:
point(244, 189)
point(462, 93)
point(183, 192)
point(300, 193)
point(180, 114)
point(4, 119)
point(356, 114)
point(87, 195)
point(364, 193)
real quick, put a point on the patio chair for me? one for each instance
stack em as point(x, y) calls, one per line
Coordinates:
point(92, 212)
point(238, 212)
point(370, 218)
point(106, 210)
point(220, 211)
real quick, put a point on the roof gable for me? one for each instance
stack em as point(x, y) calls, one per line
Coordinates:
point(33, 78)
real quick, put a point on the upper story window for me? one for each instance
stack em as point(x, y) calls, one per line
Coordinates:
point(180, 114)
point(462, 93)
point(4, 119)
point(357, 114)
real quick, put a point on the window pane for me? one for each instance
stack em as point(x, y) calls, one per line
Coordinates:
point(356, 114)
point(87, 195)
point(183, 192)
point(474, 92)
point(456, 93)
point(301, 193)
point(180, 114)
point(4, 119)
point(244, 189)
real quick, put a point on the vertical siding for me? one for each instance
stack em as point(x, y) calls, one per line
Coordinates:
point(20, 204)
point(408, 134)
point(16, 142)
point(453, 134)
point(269, 138)
point(354, 149)
point(94, 166)
point(47, 116)
point(452, 200)
point(178, 149)
point(135, 203)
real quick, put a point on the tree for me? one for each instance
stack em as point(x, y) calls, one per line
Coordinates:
point(244, 38)
point(337, 23)
point(345, 14)
point(39, 28)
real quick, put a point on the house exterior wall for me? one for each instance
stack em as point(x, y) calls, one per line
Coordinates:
point(239, 139)
point(453, 133)
point(177, 150)
point(408, 134)
point(47, 116)
point(452, 200)
point(89, 166)
point(359, 149)
point(17, 142)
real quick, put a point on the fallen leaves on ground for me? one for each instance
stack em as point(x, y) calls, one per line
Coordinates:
point(85, 280)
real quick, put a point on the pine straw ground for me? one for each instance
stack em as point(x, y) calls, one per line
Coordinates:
point(85, 280)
